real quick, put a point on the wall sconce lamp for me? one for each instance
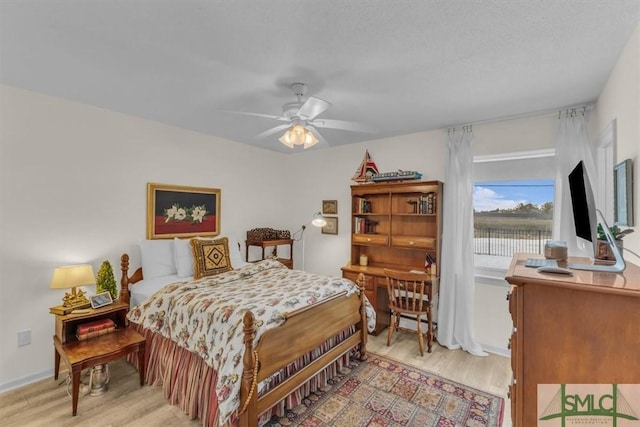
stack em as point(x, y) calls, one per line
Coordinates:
point(71, 277)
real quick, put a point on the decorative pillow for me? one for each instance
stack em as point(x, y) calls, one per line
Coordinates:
point(184, 254)
point(157, 258)
point(210, 257)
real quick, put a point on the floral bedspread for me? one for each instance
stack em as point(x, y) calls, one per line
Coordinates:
point(205, 315)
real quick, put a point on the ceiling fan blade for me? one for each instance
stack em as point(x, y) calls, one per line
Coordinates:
point(266, 116)
point(272, 131)
point(321, 141)
point(344, 125)
point(313, 107)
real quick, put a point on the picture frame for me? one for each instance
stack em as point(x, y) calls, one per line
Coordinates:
point(329, 207)
point(182, 211)
point(623, 194)
point(332, 225)
point(100, 300)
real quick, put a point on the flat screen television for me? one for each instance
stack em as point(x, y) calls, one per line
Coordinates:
point(586, 222)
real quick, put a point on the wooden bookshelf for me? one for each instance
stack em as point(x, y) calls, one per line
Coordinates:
point(394, 225)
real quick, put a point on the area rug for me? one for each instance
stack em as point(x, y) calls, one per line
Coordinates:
point(381, 392)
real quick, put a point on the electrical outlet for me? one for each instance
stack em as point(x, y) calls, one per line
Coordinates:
point(24, 338)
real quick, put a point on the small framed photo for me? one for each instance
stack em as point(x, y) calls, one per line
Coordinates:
point(332, 225)
point(329, 207)
point(101, 300)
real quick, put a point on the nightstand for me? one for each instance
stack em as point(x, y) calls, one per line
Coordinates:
point(79, 355)
point(272, 243)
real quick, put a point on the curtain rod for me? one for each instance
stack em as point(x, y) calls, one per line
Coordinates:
point(587, 107)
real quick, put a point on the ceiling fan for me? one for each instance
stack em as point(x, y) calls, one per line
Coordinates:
point(301, 120)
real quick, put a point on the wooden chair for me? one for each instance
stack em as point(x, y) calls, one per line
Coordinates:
point(410, 296)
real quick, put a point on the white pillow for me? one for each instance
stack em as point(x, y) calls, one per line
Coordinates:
point(183, 257)
point(184, 254)
point(157, 258)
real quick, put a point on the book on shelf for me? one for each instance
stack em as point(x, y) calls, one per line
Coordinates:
point(364, 226)
point(426, 204)
point(86, 336)
point(60, 310)
point(362, 205)
point(96, 325)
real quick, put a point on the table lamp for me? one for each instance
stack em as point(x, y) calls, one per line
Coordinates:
point(70, 277)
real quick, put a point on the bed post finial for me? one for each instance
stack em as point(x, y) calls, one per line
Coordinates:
point(364, 333)
point(249, 385)
point(125, 295)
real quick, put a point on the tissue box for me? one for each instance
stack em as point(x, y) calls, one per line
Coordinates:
point(555, 249)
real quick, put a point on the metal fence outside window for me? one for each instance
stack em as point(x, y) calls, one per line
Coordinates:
point(506, 242)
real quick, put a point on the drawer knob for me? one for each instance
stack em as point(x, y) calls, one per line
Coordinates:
point(411, 242)
point(368, 239)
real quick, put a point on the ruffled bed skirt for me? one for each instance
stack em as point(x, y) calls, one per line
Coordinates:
point(187, 381)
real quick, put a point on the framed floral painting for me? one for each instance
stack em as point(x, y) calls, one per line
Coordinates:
point(178, 211)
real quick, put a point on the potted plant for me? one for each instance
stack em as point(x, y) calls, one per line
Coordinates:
point(106, 281)
point(604, 251)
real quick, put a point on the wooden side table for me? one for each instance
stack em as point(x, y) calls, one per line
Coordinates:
point(272, 243)
point(79, 355)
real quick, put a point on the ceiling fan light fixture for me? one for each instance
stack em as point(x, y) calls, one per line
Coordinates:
point(298, 135)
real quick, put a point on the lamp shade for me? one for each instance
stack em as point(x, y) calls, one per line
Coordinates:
point(298, 135)
point(72, 276)
point(318, 220)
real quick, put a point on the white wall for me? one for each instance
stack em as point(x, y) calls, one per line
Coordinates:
point(74, 191)
point(620, 100)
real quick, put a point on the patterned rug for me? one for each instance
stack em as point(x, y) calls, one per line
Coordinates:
point(381, 392)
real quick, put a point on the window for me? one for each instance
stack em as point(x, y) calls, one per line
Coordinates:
point(513, 206)
point(511, 217)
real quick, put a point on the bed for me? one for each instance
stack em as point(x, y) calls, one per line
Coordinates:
point(273, 341)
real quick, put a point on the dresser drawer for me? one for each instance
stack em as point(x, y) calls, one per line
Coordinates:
point(371, 239)
point(413, 242)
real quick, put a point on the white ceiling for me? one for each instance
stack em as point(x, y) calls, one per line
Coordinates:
point(399, 66)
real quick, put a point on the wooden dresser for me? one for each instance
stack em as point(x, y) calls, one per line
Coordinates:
point(580, 329)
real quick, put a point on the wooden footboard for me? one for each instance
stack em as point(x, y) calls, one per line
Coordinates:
point(302, 331)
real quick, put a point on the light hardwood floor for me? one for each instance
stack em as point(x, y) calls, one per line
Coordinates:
point(47, 403)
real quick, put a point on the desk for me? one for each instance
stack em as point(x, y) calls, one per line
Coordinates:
point(579, 329)
point(376, 290)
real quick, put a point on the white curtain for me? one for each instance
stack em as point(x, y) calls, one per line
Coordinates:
point(572, 145)
point(457, 285)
